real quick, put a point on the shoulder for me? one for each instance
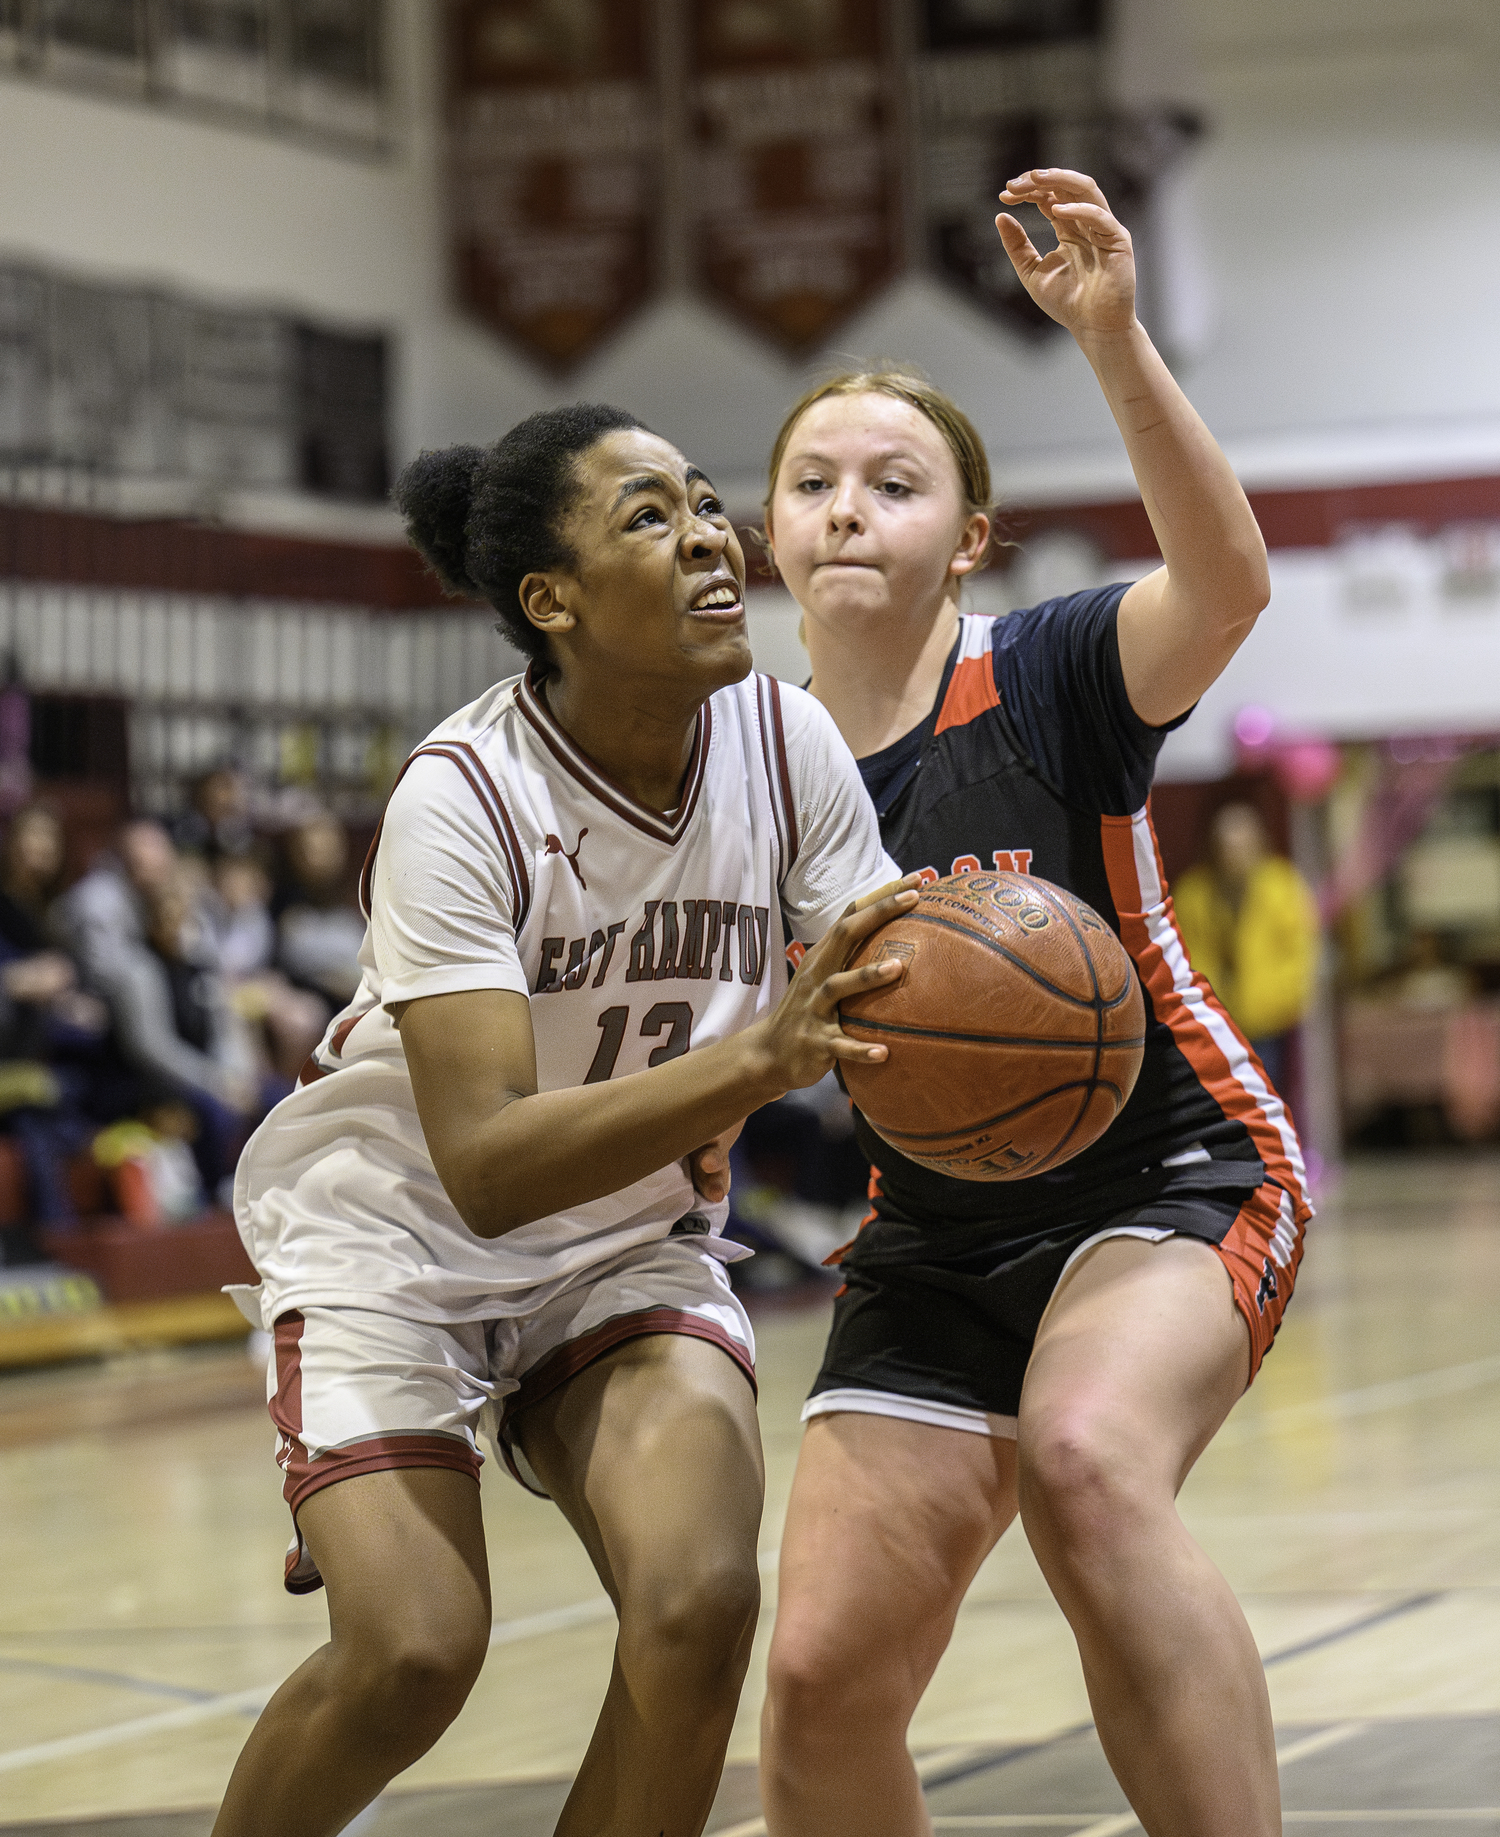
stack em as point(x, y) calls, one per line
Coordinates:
point(487, 717)
point(797, 718)
point(1062, 626)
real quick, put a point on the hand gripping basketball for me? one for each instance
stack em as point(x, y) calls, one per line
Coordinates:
point(803, 1033)
point(1016, 1034)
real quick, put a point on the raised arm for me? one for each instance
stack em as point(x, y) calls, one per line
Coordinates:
point(507, 1153)
point(1180, 625)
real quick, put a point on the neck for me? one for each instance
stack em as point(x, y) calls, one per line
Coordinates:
point(880, 681)
point(638, 732)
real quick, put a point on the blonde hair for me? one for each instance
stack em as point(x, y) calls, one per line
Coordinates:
point(941, 410)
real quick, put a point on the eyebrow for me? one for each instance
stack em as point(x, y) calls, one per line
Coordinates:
point(653, 481)
point(881, 459)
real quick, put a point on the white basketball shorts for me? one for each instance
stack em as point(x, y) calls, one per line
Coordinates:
point(353, 1392)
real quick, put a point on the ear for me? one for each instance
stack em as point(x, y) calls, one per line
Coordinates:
point(971, 545)
point(544, 601)
point(768, 541)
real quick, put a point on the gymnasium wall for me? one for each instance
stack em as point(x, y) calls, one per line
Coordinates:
point(1342, 218)
point(1342, 223)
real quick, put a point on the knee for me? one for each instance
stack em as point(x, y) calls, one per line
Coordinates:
point(410, 1682)
point(1083, 1482)
point(702, 1613)
point(824, 1678)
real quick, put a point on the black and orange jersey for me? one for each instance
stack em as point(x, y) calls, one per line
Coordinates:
point(1033, 760)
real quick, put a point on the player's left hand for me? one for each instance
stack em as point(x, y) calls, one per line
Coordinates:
point(708, 1167)
point(1087, 283)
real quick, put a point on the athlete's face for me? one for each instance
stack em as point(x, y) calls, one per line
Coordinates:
point(868, 518)
point(658, 586)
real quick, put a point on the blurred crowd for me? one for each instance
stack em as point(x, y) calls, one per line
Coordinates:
point(153, 1010)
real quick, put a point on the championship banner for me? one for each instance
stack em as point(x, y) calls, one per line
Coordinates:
point(792, 169)
point(1001, 86)
point(556, 154)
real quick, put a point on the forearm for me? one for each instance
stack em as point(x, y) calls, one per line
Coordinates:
point(1214, 553)
point(542, 1153)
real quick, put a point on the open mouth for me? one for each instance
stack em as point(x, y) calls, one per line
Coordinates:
point(720, 599)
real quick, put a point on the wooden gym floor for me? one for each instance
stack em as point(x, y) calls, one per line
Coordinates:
point(1353, 1500)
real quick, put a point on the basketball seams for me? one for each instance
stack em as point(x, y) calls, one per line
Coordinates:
point(993, 1039)
point(1088, 957)
point(1087, 1085)
point(1003, 950)
point(973, 908)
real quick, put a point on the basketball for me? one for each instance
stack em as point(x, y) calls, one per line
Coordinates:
point(1015, 1035)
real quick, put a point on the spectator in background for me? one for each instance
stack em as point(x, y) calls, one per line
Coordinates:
point(319, 929)
point(48, 1026)
point(216, 822)
point(239, 913)
point(1251, 927)
point(136, 926)
point(35, 974)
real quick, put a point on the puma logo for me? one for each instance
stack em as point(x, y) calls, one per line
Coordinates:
point(555, 847)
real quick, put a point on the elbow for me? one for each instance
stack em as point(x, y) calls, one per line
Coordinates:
point(1246, 596)
point(482, 1211)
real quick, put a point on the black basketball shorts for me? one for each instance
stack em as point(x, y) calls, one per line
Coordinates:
point(947, 1343)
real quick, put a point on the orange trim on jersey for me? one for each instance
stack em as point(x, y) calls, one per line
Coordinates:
point(1187, 1004)
point(971, 692)
point(835, 1257)
point(1262, 1282)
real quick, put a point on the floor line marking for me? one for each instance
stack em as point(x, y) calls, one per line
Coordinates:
point(1369, 1400)
point(1315, 1744)
point(141, 1727)
point(113, 1680)
point(1012, 1821)
point(254, 1700)
point(1332, 1637)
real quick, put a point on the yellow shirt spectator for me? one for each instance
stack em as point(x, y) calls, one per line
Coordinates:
point(1251, 926)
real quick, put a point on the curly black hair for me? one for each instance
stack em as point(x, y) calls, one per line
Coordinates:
point(486, 517)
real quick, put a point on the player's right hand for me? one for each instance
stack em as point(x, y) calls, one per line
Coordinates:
point(803, 1034)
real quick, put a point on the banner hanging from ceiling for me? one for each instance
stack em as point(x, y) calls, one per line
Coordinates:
point(792, 167)
point(1001, 86)
point(556, 147)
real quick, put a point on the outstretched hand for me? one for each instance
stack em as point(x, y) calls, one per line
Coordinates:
point(1087, 283)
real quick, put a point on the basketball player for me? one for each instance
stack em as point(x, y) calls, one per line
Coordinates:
point(1065, 1345)
point(482, 1193)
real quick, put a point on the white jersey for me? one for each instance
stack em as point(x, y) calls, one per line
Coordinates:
point(507, 860)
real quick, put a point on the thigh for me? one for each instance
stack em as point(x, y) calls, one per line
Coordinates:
point(1142, 1348)
point(888, 1523)
point(402, 1555)
point(652, 1452)
point(354, 1393)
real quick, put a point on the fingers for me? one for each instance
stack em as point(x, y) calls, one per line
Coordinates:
point(836, 948)
point(891, 887)
point(1090, 223)
point(855, 1052)
point(709, 1172)
point(1054, 185)
point(885, 974)
point(1018, 246)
